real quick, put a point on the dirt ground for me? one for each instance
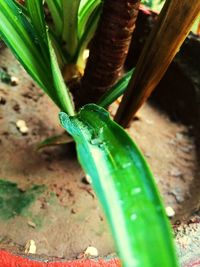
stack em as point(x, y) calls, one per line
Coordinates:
point(43, 196)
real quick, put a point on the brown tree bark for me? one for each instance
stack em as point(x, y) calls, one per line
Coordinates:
point(109, 49)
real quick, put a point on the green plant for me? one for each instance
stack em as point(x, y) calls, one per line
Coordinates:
point(119, 173)
point(124, 185)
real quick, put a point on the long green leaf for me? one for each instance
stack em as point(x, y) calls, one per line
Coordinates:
point(36, 13)
point(125, 187)
point(61, 92)
point(89, 31)
point(55, 7)
point(22, 7)
point(56, 140)
point(19, 35)
point(70, 25)
point(86, 11)
point(61, 89)
point(35, 9)
point(22, 38)
point(58, 49)
point(116, 91)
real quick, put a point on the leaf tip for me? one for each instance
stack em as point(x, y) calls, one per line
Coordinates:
point(64, 119)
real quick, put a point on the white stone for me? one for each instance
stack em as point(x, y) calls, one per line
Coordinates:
point(20, 123)
point(14, 80)
point(30, 247)
point(170, 212)
point(91, 251)
point(24, 130)
point(88, 178)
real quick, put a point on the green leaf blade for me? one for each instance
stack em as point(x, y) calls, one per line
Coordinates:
point(86, 10)
point(55, 8)
point(36, 13)
point(18, 34)
point(87, 35)
point(24, 40)
point(125, 187)
point(61, 90)
point(35, 9)
point(116, 91)
point(22, 7)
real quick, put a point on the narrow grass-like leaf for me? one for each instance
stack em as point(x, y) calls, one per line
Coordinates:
point(116, 91)
point(19, 35)
point(56, 140)
point(36, 14)
point(70, 25)
point(35, 9)
point(125, 187)
point(22, 7)
point(87, 35)
point(58, 49)
point(85, 12)
point(55, 7)
point(61, 89)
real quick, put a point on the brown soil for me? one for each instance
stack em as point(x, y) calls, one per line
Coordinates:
point(65, 218)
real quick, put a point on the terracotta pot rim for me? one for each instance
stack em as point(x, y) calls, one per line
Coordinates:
point(7, 259)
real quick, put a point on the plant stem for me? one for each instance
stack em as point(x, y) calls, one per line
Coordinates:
point(108, 50)
point(172, 28)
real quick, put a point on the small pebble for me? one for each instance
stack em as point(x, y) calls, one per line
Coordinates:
point(170, 212)
point(88, 178)
point(14, 81)
point(30, 247)
point(21, 125)
point(91, 252)
point(31, 224)
point(24, 130)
